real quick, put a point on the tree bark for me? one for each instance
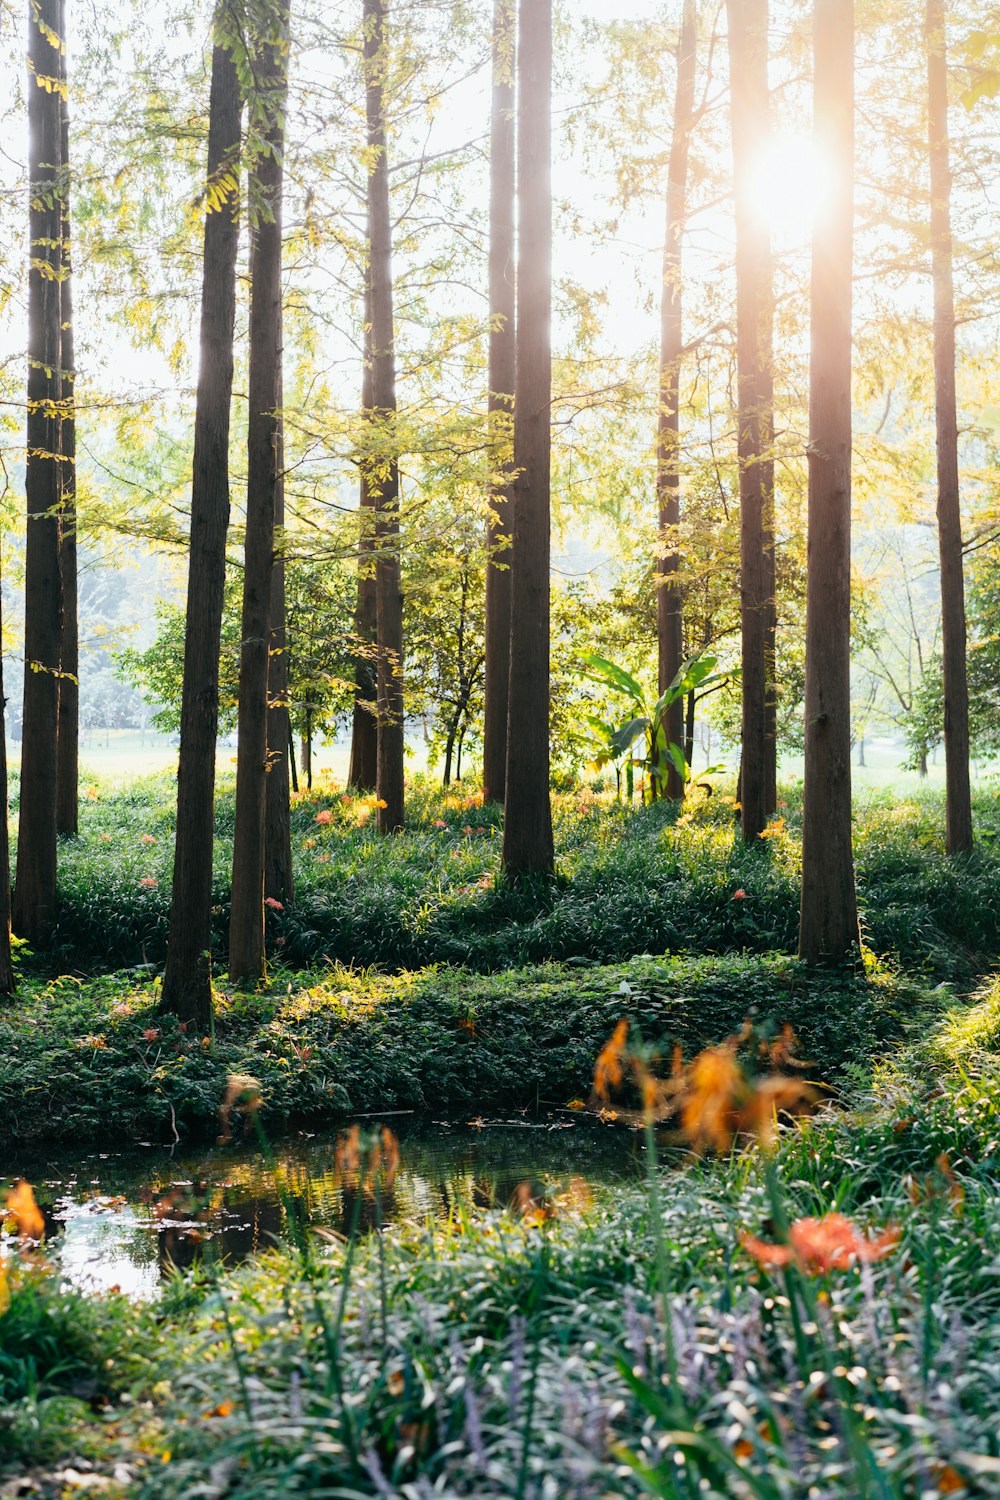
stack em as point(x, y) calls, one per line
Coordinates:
point(264, 459)
point(501, 400)
point(669, 599)
point(187, 979)
point(68, 737)
point(383, 477)
point(35, 884)
point(751, 130)
point(8, 984)
point(958, 794)
point(527, 836)
point(828, 921)
point(363, 768)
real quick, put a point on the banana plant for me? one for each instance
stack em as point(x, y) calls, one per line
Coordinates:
point(610, 745)
point(650, 723)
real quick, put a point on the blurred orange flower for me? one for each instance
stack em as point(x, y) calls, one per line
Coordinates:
point(22, 1208)
point(817, 1246)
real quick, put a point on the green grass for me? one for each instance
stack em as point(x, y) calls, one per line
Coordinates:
point(630, 881)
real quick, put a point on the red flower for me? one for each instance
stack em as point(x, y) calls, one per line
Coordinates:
point(273, 903)
point(740, 895)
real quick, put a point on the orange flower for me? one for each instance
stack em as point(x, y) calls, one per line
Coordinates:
point(324, 816)
point(717, 1090)
point(440, 823)
point(739, 895)
point(151, 1033)
point(22, 1208)
point(273, 903)
point(149, 882)
point(818, 1246)
point(147, 838)
point(608, 1067)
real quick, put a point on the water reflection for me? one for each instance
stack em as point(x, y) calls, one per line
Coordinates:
point(124, 1220)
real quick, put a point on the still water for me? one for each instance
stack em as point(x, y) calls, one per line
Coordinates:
point(124, 1219)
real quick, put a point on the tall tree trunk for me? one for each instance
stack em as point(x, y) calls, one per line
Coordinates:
point(527, 834)
point(7, 982)
point(669, 600)
point(279, 880)
point(35, 884)
point(264, 459)
point(501, 400)
point(383, 478)
point(363, 768)
point(751, 130)
point(958, 795)
point(68, 738)
point(828, 921)
point(187, 979)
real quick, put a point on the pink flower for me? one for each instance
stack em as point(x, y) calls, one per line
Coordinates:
point(147, 838)
point(440, 823)
point(151, 1033)
point(105, 838)
point(149, 881)
point(273, 903)
point(740, 895)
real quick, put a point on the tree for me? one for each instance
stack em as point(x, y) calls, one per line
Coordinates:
point(527, 835)
point(7, 982)
point(750, 118)
point(363, 769)
point(68, 737)
point(264, 458)
point(501, 398)
point(828, 919)
point(383, 467)
point(279, 880)
point(958, 796)
point(187, 979)
point(35, 882)
point(669, 603)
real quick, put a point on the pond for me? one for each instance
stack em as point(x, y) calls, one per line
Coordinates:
point(123, 1219)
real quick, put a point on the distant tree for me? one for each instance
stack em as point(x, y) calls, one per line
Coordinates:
point(501, 398)
point(828, 920)
point(265, 148)
point(187, 979)
point(750, 115)
point(383, 467)
point(527, 837)
point(7, 982)
point(669, 599)
point(363, 768)
point(958, 796)
point(68, 741)
point(279, 880)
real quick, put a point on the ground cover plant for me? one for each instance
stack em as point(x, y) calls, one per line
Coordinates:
point(631, 880)
point(660, 1341)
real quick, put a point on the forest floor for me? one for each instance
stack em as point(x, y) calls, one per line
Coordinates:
point(643, 1341)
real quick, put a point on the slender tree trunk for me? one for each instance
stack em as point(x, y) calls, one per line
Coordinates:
point(7, 982)
point(264, 459)
point(291, 766)
point(187, 979)
point(828, 922)
point(68, 738)
point(384, 474)
point(279, 880)
point(35, 884)
point(669, 598)
point(750, 116)
point(527, 835)
point(449, 750)
point(501, 400)
point(363, 769)
point(958, 795)
point(689, 728)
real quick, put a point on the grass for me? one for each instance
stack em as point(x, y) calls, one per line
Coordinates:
point(626, 1346)
point(630, 881)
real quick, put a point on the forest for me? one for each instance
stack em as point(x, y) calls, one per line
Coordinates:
point(500, 752)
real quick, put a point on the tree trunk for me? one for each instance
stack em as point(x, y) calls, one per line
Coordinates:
point(669, 602)
point(363, 769)
point(449, 750)
point(527, 835)
point(187, 979)
point(750, 118)
point(501, 400)
point(383, 478)
point(7, 982)
point(279, 880)
point(68, 737)
point(958, 795)
point(291, 765)
point(35, 884)
point(828, 921)
point(264, 457)
point(689, 729)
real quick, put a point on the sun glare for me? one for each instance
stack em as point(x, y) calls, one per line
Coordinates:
point(789, 186)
